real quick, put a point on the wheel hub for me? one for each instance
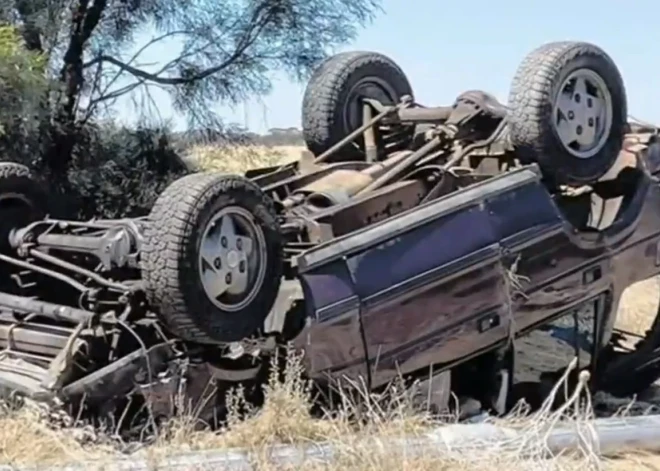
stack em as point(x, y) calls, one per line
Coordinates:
point(371, 87)
point(232, 259)
point(374, 88)
point(583, 113)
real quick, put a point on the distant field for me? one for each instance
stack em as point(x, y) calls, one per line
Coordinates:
point(238, 159)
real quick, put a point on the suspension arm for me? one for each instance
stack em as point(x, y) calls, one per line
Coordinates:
point(56, 312)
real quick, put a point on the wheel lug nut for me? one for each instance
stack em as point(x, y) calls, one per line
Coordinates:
point(578, 130)
point(590, 102)
point(228, 278)
point(239, 244)
point(591, 122)
point(217, 263)
point(577, 98)
point(241, 266)
point(223, 241)
point(571, 115)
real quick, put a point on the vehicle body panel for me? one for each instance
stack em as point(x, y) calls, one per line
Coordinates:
point(434, 285)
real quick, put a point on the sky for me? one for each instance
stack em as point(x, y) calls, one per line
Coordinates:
point(446, 47)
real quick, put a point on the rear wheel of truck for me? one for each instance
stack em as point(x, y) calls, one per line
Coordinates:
point(22, 200)
point(568, 112)
point(333, 103)
point(212, 258)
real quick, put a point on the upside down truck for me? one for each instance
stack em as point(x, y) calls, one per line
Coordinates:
point(475, 249)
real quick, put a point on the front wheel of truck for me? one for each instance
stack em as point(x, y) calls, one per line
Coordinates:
point(212, 258)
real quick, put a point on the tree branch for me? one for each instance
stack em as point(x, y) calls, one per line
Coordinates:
point(84, 21)
point(258, 22)
point(107, 95)
point(144, 47)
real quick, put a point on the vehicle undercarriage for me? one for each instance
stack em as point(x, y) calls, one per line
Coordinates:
point(413, 241)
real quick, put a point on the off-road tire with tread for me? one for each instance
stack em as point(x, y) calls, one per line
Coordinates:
point(170, 257)
point(17, 180)
point(327, 93)
point(531, 99)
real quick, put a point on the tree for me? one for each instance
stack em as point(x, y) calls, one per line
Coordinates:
point(22, 85)
point(23, 88)
point(226, 52)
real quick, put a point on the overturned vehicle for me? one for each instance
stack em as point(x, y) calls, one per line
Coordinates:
point(444, 245)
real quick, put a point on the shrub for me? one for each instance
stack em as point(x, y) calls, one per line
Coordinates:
point(119, 172)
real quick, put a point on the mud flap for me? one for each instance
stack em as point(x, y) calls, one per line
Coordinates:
point(203, 386)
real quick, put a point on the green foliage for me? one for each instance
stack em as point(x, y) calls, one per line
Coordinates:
point(64, 64)
point(23, 83)
point(221, 51)
point(16, 58)
point(119, 172)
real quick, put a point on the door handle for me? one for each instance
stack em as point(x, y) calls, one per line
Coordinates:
point(592, 274)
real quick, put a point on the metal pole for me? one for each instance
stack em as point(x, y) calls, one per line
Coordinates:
point(609, 435)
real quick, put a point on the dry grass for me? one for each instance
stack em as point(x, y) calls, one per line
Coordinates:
point(29, 437)
point(238, 159)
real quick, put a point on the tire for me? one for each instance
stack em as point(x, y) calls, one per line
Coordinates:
point(536, 89)
point(334, 89)
point(22, 200)
point(172, 257)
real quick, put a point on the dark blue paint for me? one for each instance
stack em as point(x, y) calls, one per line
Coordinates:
point(522, 210)
point(458, 239)
point(513, 215)
point(453, 237)
point(420, 250)
point(327, 285)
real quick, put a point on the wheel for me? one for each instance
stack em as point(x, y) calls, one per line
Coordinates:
point(212, 258)
point(332, 103)
point(22, 200)
point(568, 112)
